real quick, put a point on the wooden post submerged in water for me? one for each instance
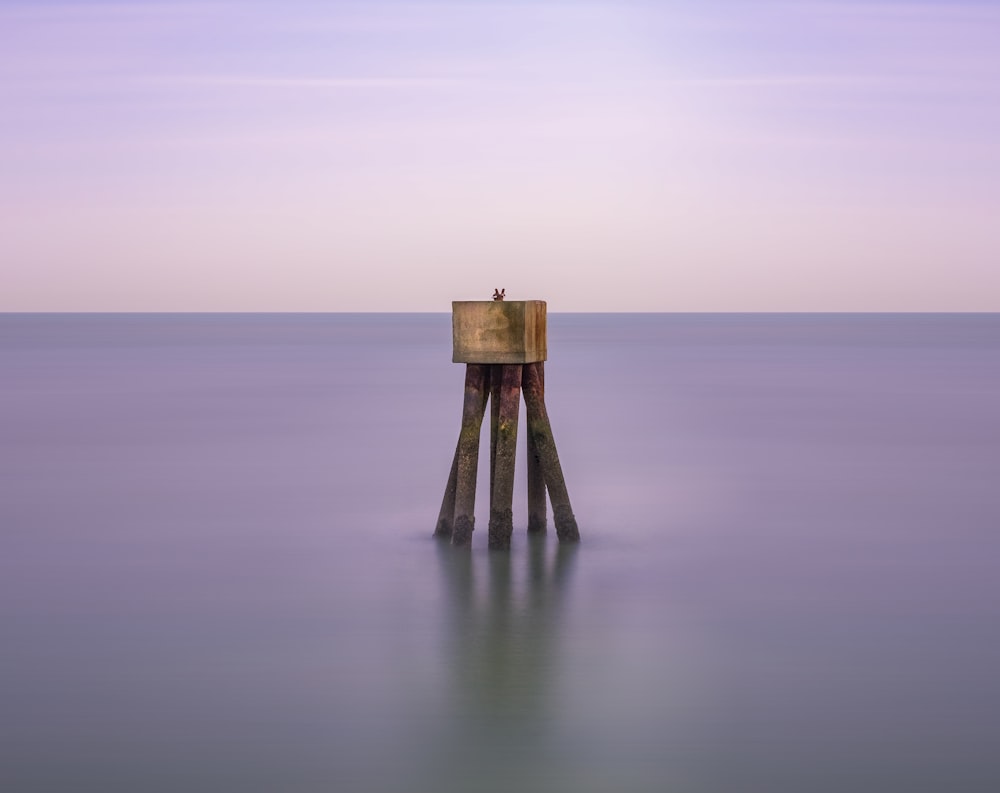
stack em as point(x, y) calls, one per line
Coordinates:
point(503, 347)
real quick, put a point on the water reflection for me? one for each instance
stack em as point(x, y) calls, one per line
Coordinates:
point(503, 650)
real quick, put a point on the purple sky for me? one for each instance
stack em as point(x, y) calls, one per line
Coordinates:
point(386, 156)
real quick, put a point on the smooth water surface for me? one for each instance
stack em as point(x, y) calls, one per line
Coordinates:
point(217, 570)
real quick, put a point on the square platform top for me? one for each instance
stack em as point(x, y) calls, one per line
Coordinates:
point(498, 331)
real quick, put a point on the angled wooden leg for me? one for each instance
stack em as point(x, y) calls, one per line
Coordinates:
point(446, 517)
point(501, 512)
point(476, 384)
point(548, 457)
point(537, 512)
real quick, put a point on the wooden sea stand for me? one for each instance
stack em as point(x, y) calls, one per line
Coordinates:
point(503, 345)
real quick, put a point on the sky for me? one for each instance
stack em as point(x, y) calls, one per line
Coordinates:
point(603, 156)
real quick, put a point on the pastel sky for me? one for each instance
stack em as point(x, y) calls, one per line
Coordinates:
point(604, 156)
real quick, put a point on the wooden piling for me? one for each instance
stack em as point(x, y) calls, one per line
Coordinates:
point(541, 431)
point(502, 494)
point(474, 406)
point(496, 378)
point(503, 346)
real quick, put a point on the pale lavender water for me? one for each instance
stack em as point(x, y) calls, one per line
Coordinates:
point(217, 571)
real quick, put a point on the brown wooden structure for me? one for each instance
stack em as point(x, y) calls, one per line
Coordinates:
point(503, 345)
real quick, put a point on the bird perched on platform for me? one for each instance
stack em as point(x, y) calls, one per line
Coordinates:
point(499, 294)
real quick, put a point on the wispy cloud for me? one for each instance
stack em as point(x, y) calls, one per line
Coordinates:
point(906, 82)
point(41, 11)
point(904, 9)
point(258, 81)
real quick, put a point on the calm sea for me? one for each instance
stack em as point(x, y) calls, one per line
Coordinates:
point(217, 570)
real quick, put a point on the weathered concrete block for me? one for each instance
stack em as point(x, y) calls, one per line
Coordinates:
point(498, 331)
